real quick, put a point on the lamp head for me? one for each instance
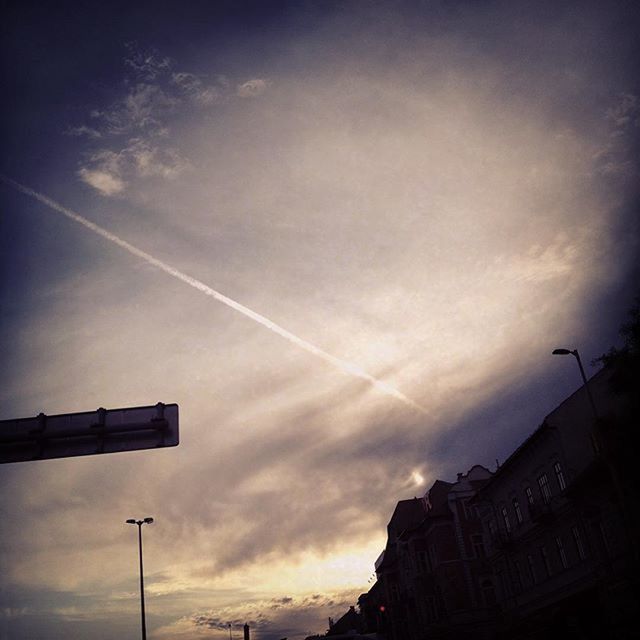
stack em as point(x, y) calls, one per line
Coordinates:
point(130, 521)
point(561, 352)
point(148, 520)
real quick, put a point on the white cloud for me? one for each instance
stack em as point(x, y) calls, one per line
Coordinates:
point(144, 107)
point(156, 98)
point(624, 112)
point(105, 169)
point(543, 263)
point(186, 81)
point(149, 160)
point(103, 173)
point(106, 183)
point(196, 91)
point(612, 158)
point(146, 64)
point(252, 88)
point(83, 130)
point(13, 612)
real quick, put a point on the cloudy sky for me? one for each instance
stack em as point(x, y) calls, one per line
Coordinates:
point(343, 236)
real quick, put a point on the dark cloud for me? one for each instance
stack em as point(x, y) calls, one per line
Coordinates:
point(287, 615)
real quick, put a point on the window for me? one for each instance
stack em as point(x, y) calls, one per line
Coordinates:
point(545, 490)
point(531, 565)
point(505, 519)
point(561, 554)
point(577, 539)
point(516, 508)
point(545, 560)
point(529, 493)
point(560, 476)
point(478, 545)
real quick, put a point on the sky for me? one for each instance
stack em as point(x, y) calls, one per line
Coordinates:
point(343, 236)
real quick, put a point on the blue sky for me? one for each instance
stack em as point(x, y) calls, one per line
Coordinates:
point(406, 205)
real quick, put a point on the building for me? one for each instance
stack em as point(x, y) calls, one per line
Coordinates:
point(544, 547)
point(348, 624)
point(430, 574)
point(559, 547)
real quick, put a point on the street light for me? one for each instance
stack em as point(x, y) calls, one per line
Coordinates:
point(599, 443)
point(140, 523)
point(576, 355)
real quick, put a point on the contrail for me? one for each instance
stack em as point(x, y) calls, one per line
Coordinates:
point(343, 365)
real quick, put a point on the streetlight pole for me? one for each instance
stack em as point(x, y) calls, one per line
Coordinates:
point(600, 447)
point(142, 616)
point(576, 355)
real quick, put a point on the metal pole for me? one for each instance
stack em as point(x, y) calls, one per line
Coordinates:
point(144, 624)
point(586, 384)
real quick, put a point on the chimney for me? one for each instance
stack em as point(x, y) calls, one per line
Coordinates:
point(246, 632)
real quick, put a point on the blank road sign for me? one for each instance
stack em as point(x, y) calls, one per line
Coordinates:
point(89, 433)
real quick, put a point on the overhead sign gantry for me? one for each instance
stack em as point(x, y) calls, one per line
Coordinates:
point(89, 433)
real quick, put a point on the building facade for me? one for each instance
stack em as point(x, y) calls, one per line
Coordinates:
point(544, 547)
point(559, 549)
point(430, 574)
